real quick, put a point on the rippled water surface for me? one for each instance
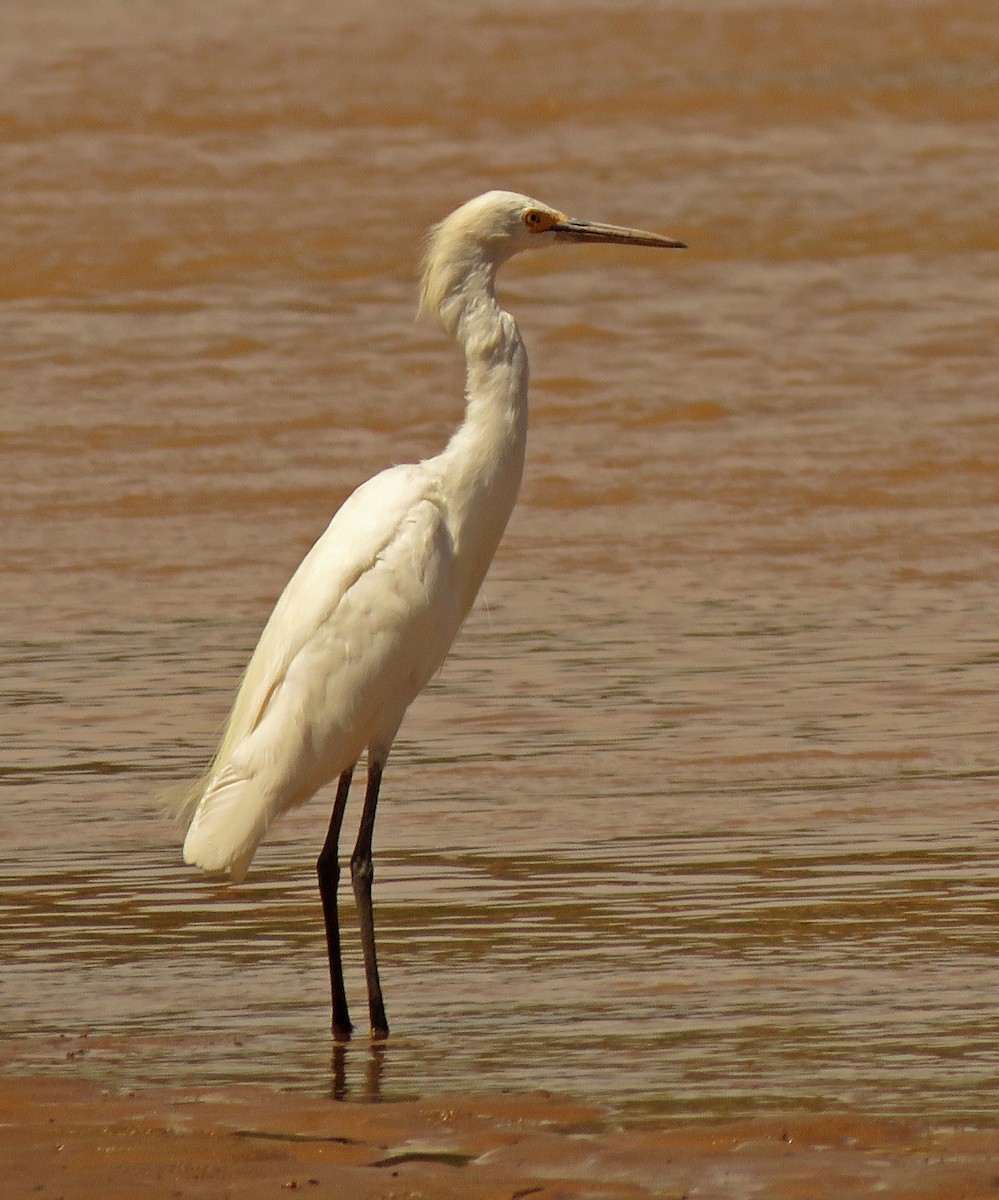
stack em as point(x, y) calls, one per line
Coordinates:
point(700, 816)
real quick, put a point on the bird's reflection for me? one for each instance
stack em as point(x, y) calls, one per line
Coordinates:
point(374, 1067)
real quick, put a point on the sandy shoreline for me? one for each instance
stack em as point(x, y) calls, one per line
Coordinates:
point(61, 1136)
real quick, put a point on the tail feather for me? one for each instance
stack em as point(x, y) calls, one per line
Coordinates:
point(180, 800)
point(231, 815)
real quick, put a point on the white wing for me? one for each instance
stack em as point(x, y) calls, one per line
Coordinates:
point(362, 625)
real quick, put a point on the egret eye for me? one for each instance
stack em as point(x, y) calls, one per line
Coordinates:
point(538, 221)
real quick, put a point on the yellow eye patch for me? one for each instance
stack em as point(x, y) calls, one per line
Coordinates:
point(538, 220)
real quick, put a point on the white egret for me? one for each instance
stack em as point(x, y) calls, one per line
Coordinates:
point(369, 616)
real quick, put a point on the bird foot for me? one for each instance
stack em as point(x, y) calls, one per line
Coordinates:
point(341, 1033)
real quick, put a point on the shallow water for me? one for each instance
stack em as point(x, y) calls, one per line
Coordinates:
point(700, 816)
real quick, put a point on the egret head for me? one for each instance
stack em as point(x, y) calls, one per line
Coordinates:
point(483, 233)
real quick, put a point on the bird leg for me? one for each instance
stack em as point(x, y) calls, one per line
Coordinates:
point(328, 872)
point(362, 872)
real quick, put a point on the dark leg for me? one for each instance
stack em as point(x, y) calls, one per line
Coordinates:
point(328, 871)
point(362, 872)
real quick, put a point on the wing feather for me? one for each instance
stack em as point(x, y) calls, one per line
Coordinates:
point(362, 624)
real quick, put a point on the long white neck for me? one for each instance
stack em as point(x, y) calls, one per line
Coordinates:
point(482, 464)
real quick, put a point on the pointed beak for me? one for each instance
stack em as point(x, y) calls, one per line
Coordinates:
point(569, 230)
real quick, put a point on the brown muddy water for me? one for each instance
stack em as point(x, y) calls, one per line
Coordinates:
point(700, 817)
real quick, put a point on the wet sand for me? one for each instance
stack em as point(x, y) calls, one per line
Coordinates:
point(77, 1139)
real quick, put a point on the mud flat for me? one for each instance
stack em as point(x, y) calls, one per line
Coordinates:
point(62, 1136)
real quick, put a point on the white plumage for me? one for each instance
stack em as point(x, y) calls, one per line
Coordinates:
point(363, 624)
point(369, 616)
